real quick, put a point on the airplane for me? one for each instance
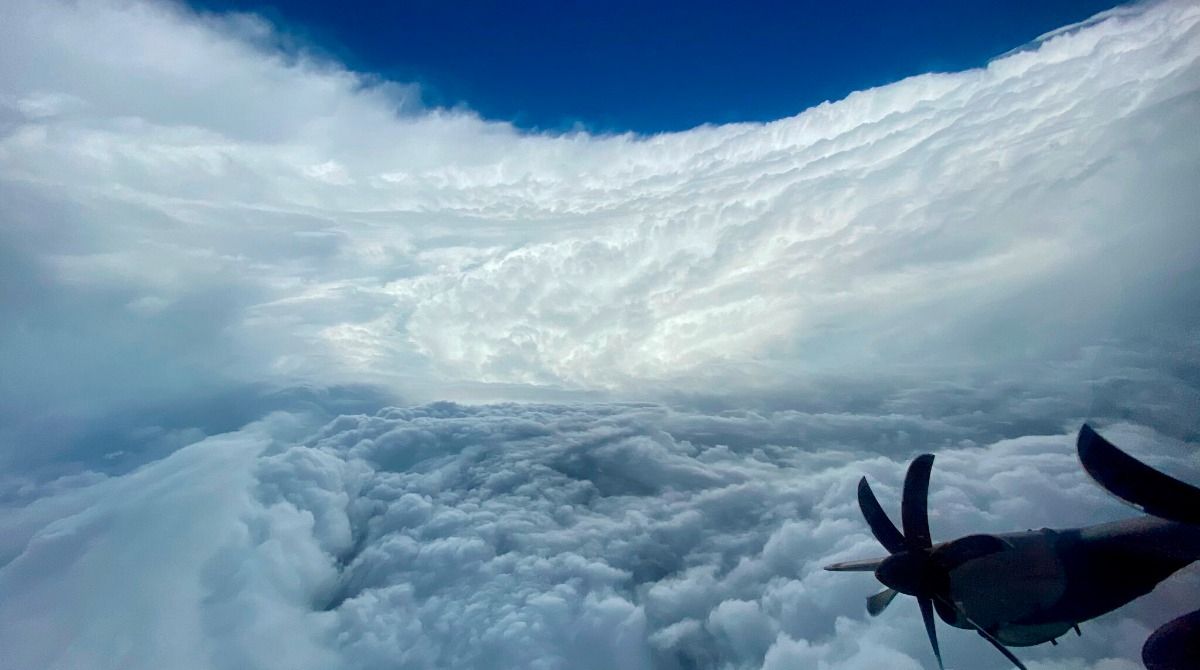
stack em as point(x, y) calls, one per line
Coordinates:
point(1026, 588)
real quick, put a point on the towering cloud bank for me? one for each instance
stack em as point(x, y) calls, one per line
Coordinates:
point(291, 219)
point(221, 258)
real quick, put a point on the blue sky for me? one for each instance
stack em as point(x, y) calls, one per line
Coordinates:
point(657, 66)
point(299, 371)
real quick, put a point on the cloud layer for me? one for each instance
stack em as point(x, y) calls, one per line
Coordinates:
point(190, 186)
point(544, 536)
point(234, 275)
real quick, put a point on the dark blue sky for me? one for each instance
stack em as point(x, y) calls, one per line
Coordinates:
point(655, 66)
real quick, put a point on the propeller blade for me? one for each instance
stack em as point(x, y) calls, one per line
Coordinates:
point(879, 602)
point(927, 615)
point(881, 526)
point(865, 565)
point(1136, 483)
point(914, 506)
point(986, 635)
point(1174, 645)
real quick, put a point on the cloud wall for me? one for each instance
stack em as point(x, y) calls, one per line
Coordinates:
point(290, 219)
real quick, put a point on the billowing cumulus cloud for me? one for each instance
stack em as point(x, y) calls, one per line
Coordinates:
point(290, 219)
point(546, 536)
point(234, 277)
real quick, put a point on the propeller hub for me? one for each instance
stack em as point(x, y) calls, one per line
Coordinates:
point(911, 573)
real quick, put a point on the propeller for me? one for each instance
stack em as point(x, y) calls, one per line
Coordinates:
point(913, 565)
point(1176, 644)
point(1136, 483)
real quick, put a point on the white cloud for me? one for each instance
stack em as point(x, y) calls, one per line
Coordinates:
point(1009, 214)
point(520, 536)
point(150, 569)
